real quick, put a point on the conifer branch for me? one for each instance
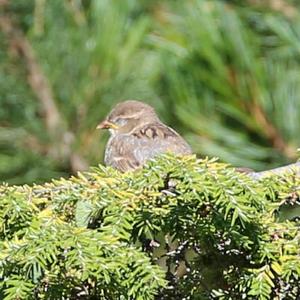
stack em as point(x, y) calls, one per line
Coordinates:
point(291, 168)
point(55, 125)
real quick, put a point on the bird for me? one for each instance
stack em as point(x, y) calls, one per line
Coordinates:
point(138, 135)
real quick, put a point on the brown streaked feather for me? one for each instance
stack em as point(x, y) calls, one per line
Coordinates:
point(131, 150)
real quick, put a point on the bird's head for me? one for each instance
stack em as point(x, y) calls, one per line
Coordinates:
point(128, 115)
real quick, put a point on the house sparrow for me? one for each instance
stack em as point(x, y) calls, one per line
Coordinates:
point(137, 135)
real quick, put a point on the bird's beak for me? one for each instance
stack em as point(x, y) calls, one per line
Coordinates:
point(106, 125)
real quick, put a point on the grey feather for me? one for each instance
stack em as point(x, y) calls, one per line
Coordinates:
point(129, 151)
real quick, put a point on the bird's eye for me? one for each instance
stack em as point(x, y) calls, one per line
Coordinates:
point(121, 121)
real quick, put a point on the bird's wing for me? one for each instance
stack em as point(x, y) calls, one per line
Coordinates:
point(157, 138)
point(131, 151)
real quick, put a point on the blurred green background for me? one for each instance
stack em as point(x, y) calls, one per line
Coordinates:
point(225, 74)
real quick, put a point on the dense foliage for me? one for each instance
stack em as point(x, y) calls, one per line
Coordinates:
point(181, 228)
point(223, 73)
